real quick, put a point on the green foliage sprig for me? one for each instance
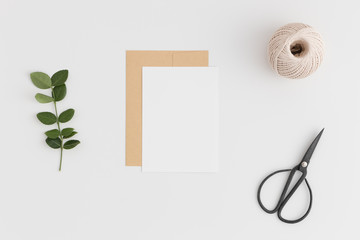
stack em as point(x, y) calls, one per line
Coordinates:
point(55, 137)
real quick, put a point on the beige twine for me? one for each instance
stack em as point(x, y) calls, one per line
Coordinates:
point(295, 50)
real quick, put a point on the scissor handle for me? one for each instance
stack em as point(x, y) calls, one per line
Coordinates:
point(283, 197)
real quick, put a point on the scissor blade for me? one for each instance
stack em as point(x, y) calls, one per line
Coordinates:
point(312, 147)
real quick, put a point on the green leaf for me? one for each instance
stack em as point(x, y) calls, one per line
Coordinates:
point(52, 133)
point(46, 118)
point(72, 134)
point(71, 144)
point(53, 143)
point(66, 115)
point(59, 77)
point(41, 80)
point(41, 98)
point(67, 131)
point(59, 92)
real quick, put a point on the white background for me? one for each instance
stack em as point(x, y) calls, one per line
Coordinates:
point(266, 122)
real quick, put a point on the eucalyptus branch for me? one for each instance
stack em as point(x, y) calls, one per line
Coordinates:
point(55, 137)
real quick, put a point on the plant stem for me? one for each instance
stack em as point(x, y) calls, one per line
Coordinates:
point(58, 124)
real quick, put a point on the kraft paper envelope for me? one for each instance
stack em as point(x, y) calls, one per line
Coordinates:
point(135, 60)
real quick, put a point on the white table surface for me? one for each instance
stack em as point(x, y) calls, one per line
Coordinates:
point(266, 122)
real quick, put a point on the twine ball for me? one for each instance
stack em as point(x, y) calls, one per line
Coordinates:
point(295, 50)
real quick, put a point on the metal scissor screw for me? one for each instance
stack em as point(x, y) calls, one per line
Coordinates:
point(304, 164)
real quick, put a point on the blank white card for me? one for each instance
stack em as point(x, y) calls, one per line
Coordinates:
point(180, 119)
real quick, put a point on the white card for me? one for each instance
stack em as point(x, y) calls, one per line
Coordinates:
point(180, 119)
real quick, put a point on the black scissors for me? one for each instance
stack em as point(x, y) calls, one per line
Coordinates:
point(302, 167)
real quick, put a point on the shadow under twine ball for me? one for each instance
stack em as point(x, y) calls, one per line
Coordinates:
point(295, 50)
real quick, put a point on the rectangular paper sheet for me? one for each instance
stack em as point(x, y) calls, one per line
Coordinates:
point(180, 119)
point(135, 60)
